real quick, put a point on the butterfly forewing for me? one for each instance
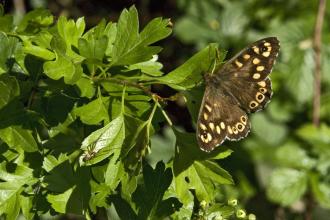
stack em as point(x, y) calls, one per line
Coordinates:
point(241, 86)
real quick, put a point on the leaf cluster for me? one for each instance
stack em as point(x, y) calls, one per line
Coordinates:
point(78, 118)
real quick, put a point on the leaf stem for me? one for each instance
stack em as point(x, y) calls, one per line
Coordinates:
point(122, 100)
point(164, 113)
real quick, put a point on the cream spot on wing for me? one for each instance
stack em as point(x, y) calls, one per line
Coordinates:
point(260, 68)
point(253, 104)
point(202, 126)
point(215, 104)
point(266, 54)
point(260, 97)
point(238, 64)
point(209, 137)
point(255, 49)
point(243, 119)
point(208, 107)
point(262, 83)
point(222, 125)
point(263, 90)
point(246, 56)
point(256, 61)
point(235, 130)
point(266, 44)
point(202, 137)
point(240, 127)
point(218, 129)
point(256, 76)
point(205, 137)
point(211, 125)
point(205, 116)
point(230, 131)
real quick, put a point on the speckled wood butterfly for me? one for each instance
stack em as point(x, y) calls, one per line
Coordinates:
point(239, 87)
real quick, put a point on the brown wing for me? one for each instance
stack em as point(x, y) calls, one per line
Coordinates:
point(219, 118)
point(245, 76)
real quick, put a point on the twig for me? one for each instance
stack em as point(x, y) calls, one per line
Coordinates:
point(317, 43)
point(146, 90)
point(317, 57)
point(19, 7)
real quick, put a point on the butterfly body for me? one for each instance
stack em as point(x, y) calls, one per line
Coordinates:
point(239, 87)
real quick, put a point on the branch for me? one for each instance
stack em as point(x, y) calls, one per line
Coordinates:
point(317, 43)
point(146, 90)
point(317, 58)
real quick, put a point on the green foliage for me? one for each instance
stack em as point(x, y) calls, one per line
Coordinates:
point(78, 120)
point(79, 123)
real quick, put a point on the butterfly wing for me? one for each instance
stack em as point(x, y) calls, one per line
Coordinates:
point(245, 76)
point(241, 86)
point(220, 118)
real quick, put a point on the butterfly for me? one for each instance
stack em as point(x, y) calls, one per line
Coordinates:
point(241, 86)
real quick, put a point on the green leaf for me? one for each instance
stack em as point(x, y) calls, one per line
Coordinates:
point(9, 89)
point(38, 51)
point(86, 87)
point(100, 198)
point(60, 178)
point(315, 136)
point(267, 130)
point(59, 201)
point(63, 67)
point(51, 161)
point(138, 146)
point(34, 20)
point(17, 137)
point(131, 47)
point(321, 190)
point(190, 152)
point(39, 45)
point(287, 155)
point(26, 203)
point(63, 127)
point(69, 192)
point(149, 195)
point(114, 172)
point(150, 67)
point(103, 142)
point(70, 31)
point(15, 177)
point(12, 206)
point(198, 175)
point(8, 47)
point(93, 112)
point(93, 48)
point(189, 74)
point(123, 208)
point(300, 79)
point(287, 186)
point(162, 147)
point(6, 23)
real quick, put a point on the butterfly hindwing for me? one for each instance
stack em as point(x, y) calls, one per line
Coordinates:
point(241, 86)
point(220, 118)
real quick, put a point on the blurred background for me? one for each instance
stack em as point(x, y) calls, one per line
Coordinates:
point(282, 168)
